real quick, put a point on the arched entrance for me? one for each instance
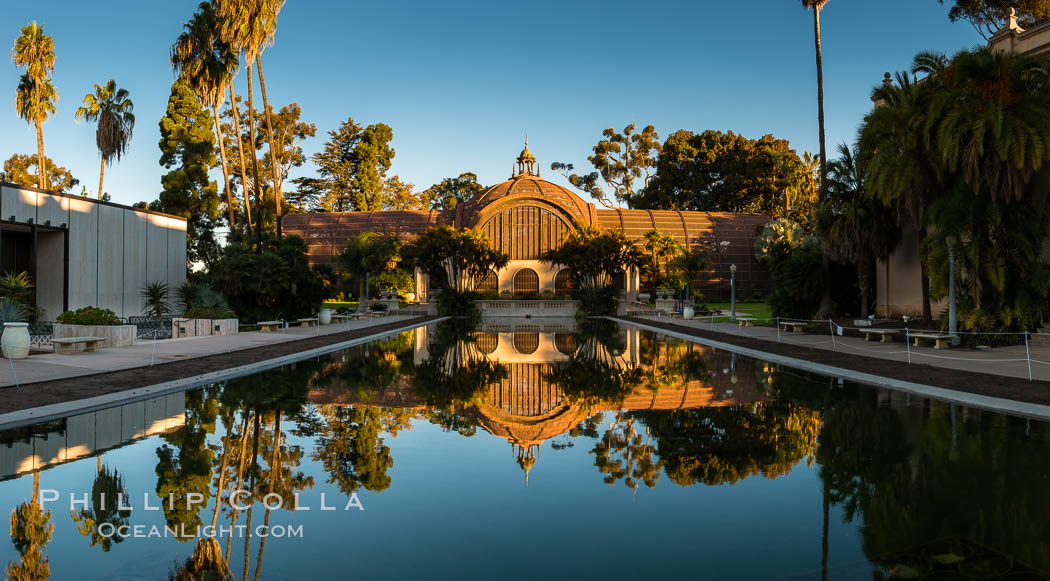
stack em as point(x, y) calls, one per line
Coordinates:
point(526, 282)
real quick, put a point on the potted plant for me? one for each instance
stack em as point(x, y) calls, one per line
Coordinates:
point(205, 312)
point(95, 322)
point(15, 338)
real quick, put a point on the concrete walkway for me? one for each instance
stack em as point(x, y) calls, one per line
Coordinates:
point(49, 366)
point(1008, 361)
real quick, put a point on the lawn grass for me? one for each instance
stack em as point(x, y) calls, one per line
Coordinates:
point(751, 309)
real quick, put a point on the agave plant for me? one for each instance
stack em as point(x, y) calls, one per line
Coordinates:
point(17, 286)
point(155, 299)
point(12, 311)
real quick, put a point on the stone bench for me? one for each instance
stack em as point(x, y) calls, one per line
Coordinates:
point(885, 335)
point(77, 344)
point(308, 321)
point(794, 327)
point(270, 326)
point(745, 321)
point(940, 340)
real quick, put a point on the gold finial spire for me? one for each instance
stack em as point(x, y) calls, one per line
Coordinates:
point(526, 161)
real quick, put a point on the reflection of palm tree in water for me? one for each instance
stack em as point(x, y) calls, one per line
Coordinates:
point(104, 508)
point(622, 453)
point(31, 530)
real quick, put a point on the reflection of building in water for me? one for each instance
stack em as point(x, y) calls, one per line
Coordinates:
point(527, 408)
point(26, 450)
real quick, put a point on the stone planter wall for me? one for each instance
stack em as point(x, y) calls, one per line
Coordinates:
point(114, 336)
point(201, 327)
point(537, 308)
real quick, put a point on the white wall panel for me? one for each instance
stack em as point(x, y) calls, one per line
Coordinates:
point(157, 248)
point(83, 253)
point(135, 227)
point(50, 275)
point(111, 294)
point(18, 203)
point(53, 208)
point(176, 253)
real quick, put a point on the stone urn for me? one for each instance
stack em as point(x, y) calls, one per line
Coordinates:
point(687, 312)
point(15, 340)
point(643, 297)
point(324, 317)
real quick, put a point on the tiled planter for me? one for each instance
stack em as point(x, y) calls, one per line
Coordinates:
point(114, 336)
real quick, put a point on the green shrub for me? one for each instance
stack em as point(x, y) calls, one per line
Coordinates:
point(203, 313)
point(598, 302)
point(278, 282)
point(90, 316)
point(378, 307)
point(454, 303)
point(155, 299)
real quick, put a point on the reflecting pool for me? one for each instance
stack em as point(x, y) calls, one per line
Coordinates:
point(520, 452)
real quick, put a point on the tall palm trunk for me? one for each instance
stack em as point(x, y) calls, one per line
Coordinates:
point(240, 150)
point(41, 161)
point(101, 174)
point(820, 98)
point(273, 154)
point(255, 162)
point(225, 171)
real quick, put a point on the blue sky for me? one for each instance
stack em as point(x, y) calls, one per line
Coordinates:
point(461, 82)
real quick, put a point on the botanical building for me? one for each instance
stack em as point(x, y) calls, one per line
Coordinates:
point(526, 215)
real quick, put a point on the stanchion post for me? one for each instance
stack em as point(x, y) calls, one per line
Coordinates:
point(778, 329)
point(153, 357)
point(831, 326)
point(12, 362)
point(907, 343)
point(1028, 355)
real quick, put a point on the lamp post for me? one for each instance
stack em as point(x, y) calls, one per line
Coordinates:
point(732, 292)
point(952, 324)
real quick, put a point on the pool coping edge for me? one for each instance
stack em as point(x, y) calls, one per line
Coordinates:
point(45, 413)
point(996, 404)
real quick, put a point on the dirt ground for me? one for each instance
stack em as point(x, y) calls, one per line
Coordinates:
point(31, 395)
point(979, 383)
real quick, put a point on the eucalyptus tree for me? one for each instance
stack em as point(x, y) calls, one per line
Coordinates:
point(209, 63)
point(816, 6)
point(35, 96)
point(620, 160)
point(111, 108)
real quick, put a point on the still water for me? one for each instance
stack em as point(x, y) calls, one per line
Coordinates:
point(544, 451)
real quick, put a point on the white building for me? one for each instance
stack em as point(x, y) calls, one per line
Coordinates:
point(84, 252)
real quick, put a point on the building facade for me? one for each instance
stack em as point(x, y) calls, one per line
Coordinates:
point(83, 252)
point(525, 216)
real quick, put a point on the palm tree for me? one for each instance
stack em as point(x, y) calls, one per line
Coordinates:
point(853, 225)
point(114, 112)
point(248, 25)
point(901, 171)
point(816, 6)
point(36, 96)
point(209, 64)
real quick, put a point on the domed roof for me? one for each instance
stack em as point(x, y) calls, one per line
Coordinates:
point(526, 185)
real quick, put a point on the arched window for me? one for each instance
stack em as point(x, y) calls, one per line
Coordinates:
point(563, 281)
point(526, 282)
point(487, 342)
point(526, 343)
point(565, 343)
point(490, 284)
